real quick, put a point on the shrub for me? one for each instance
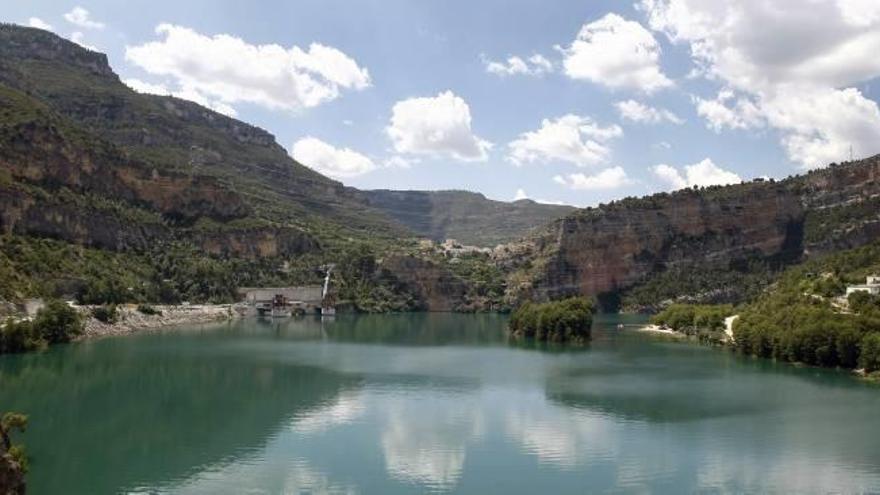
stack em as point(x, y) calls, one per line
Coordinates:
point(106, 313)
point(57, 322)
point(148, 310)
point(869, 358)
point(18, 336)
point(863, 302)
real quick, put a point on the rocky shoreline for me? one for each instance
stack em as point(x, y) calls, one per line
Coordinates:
point(130, 320)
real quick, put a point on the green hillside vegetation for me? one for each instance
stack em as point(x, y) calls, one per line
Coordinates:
point(805, 319)
point(568, 320)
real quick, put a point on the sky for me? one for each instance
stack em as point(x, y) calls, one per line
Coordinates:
point(557, 101)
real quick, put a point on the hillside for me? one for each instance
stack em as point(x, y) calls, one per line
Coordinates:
point(715, 244)
point(467, 217)
point(112, 195)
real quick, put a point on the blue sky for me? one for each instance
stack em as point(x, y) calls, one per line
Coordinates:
point(627, 98)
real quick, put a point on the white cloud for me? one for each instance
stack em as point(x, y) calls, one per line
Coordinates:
point(639, 112)
point(81, 17)
point(610, 178)
point(520, 194)
point(704, 173)
point(726, 110)
point(570, 138)
point(617, 53)
point(782, 61)
point(670, 175)
point(439, 125)
point(184, 94)
point(339, 163)
point(230, 70)
point(36, 22)
point(536, 65)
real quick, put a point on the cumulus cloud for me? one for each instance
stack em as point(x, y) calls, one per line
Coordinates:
point(728, 111)
point(36, 22)
point(536, 65)
point(639, 112)
point(339, 163)
point(438, 125)
point(704, 173)
point(781, 62)
point(183, 93)
point(610, 178)
point(617, 53)
point(82, 18)
point(230, 70)
point(571, 138)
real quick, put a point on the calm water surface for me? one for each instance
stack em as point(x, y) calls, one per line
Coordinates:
point(432, 403)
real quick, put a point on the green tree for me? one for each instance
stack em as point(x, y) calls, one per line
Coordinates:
point(57, 322)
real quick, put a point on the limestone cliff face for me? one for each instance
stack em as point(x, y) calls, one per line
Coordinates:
point(256, 242)
point(602, 250)
point(41, 153)
point(37, 213)
point(616, 246)
point(843, 206)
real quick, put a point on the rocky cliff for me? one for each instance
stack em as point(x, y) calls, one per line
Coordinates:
point(604, 250)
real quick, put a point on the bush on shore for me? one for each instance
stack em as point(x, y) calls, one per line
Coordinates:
point(148, 310)
point(566, 320)
point(106, 313)
point(55, 323)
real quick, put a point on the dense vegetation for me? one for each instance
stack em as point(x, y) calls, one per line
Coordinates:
point(806, 319)
point(558, 321)
point(55, 323)
point(702, 284)
point(706, 322)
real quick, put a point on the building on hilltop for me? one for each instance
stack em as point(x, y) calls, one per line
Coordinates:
point(871, 286)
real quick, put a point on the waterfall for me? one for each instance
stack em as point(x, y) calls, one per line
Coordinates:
point(326, 282)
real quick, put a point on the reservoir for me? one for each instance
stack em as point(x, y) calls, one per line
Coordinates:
point(443, 403)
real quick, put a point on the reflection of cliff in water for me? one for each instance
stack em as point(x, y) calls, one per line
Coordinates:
point(166, 414)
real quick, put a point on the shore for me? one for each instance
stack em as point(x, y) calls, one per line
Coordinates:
point(661, 330)
point(130, 320)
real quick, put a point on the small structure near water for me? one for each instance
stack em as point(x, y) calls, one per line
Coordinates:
point(871, 286)
point(286, 301)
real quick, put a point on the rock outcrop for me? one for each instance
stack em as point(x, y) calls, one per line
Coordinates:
point(606, 249)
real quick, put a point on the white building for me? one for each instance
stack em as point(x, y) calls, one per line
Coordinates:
point(872, 286)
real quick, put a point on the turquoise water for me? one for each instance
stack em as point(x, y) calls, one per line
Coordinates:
point(432, 403)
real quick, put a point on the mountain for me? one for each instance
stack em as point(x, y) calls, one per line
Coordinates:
point(109, 194)
point(467, 217)
point(708, 244)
